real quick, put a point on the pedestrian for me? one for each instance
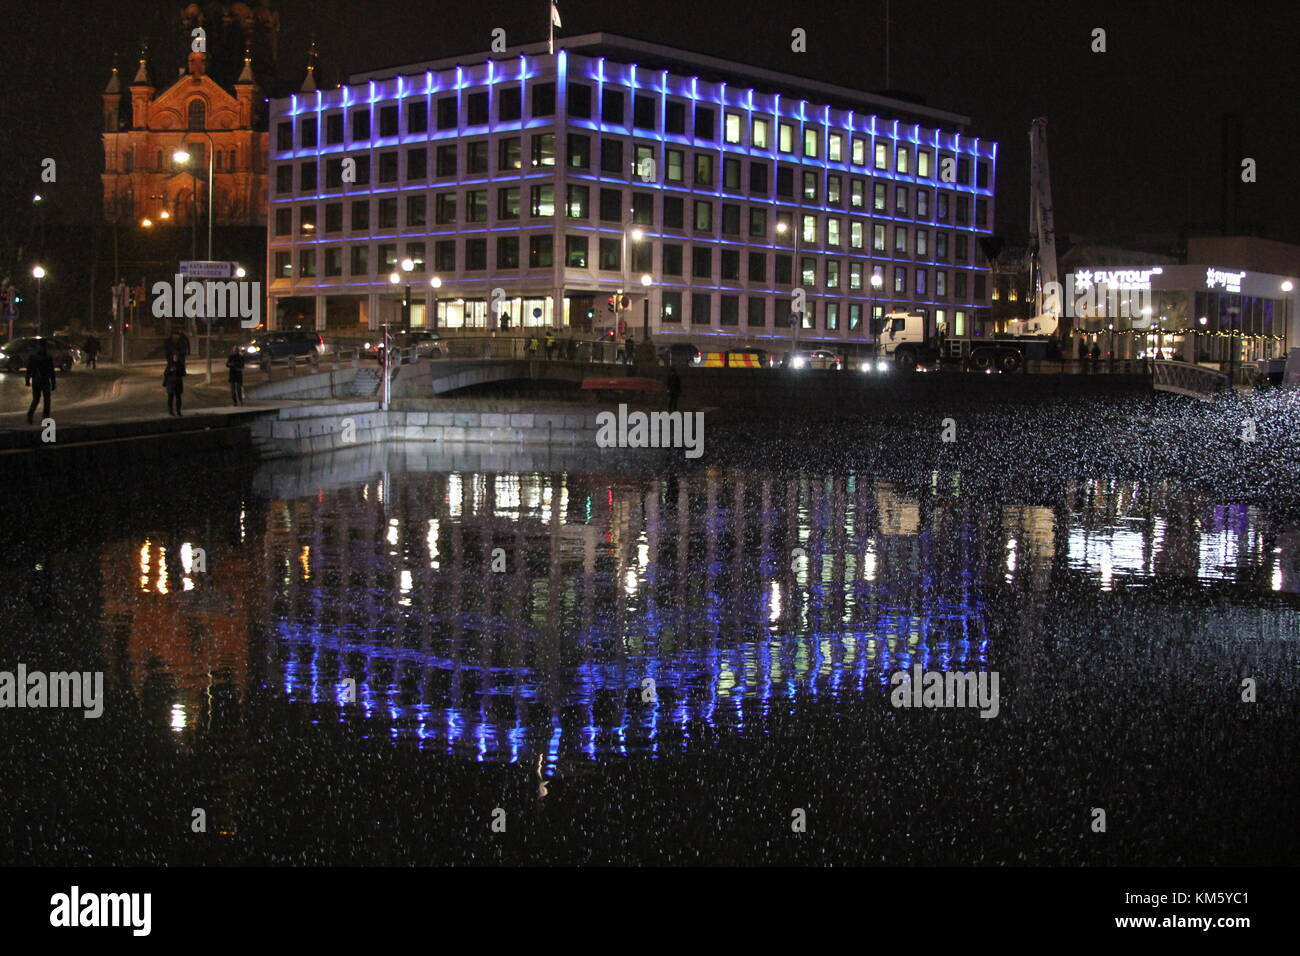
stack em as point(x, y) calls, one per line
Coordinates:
point(504, 322)
point(1096, 357)
point(178, 344)
point(1083, 355)
point(674, 388)
point(533, 343)
point(174, 382)
point(571, 348)
point(40, 376)
point(235, 362)
point(91, 348)
point(550, 344)
point(629, 349)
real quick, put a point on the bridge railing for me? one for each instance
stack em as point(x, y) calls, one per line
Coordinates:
point(1185, 378)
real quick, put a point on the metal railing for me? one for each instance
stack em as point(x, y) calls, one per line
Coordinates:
point(1185, 378)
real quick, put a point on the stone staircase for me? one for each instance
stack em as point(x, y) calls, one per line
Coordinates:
point(365, 384)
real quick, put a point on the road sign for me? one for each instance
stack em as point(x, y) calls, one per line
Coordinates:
point(11, 312)
point(206, 269)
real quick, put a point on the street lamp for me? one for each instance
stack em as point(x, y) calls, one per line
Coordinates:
point(182, 158)
point(408, 266)
point(646, 279)
point(38, 273)
point(435, 283)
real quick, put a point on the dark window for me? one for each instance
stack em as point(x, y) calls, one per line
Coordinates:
point(579, 100)
point(334, 217)
point(507, 252)
point(610, 260)
point(785, 182)
point(447, 112)
point(509, 104)
point(541, 252)
point(446, 161)
point(416, 209)
point(982, 174)
point(388, 212)
point(643, 208)
point(643, 112)
point(388, 121)
point(699, 308)
point(702, 262)
point(544, 99)
point(672, 259)
point(757, 311)
point(543, 148)
point(704, 119)
point(360, 215)
point(611, 155)
point(783, 269)
point(611, 107)
point(674, 213)
point(476, 205)
point(388, 167)
point(284, 136)
point(360, 264)
point(283, 221)
point(306, 133)
point(757, 267)
point(307, 175)
point(417, 163)
point(334, 261)
point(334, 129)
point(675, 117)
point(575, 252)
point(508, 203)
point(445, 208)
point(672, 306)
point(284, 178)
point(444, 255)
point(731, 175)
point(477, 108)
point(611, 205)
point(758, 178)
point(729, 309)
point(509, 155)
point(730, 219)
point(730, 264)
point(417, 117)
point(475, 255)
point(476, 157)
point(360, 124)
point(579, 151)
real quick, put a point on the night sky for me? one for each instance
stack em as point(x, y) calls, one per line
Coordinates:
point(1135, 133)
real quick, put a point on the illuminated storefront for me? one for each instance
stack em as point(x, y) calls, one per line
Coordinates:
point(1200, 313)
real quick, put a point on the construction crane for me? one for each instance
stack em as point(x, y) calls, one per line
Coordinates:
point(1042, 241)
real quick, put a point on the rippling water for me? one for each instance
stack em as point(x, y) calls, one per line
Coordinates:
point(559, 614)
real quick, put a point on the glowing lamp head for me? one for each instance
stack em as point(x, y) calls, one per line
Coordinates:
point(240, 272)
point(38, 272)
point(782, 228)
point(876, 281)
point(147, 223)
point(436, 282)
point(408, 265)
point(1288, 285)
point(181, 157)
point(394, 278)
point(645, 279)
point(638, 234)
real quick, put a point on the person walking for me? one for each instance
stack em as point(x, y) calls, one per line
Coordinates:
point(1095, 354)
point(629, 349)
point(674, 388)
point(235, 362)
point(91, 348)
point(178, 344)
point(1083, 356)
point(40, 376)
point(550, 344)
point(174, 382)
point(533, 344)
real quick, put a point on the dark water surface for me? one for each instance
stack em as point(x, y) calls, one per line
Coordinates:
point(502, 618)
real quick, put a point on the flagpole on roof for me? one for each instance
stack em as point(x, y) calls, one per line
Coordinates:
point(554, 21)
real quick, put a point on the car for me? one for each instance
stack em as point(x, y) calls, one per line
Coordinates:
point(817, 358)
point(280, 346)
point(679, 354)
point(426, 343)
point(14, 355)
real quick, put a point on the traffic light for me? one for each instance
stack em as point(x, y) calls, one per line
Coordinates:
point(612, 302)
point(626, 302)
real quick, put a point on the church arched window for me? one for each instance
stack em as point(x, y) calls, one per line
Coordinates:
point(198, 114)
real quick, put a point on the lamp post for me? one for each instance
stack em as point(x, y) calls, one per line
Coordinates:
point(876, 283)
point(182, 157)
point(782, 228)
point(435, 283)
point(408, 266)
point(38, 273)
point(646, 280)
point(634, 234)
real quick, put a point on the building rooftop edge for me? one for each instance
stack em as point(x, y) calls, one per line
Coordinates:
point(576, 44)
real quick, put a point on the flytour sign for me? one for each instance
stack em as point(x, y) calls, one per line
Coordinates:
point(1116, 278)
point(1228, 281)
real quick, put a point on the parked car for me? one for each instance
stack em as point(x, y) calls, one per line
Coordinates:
point(281, 345)
point(679, 354)
point(817, 358)
point(14, 355)
point(426, 344)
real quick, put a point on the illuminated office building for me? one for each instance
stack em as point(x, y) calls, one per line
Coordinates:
point(706, 190)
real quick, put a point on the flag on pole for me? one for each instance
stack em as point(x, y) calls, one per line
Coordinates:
point(555, 15)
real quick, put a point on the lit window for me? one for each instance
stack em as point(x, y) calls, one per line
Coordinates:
point(731, 133)
point(758, 134)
